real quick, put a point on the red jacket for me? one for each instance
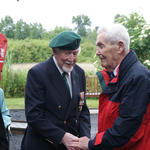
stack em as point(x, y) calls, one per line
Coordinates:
point(124, 108)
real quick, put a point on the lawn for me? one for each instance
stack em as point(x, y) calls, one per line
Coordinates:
point(18, 103)
point(92, 102)
point(15, 103)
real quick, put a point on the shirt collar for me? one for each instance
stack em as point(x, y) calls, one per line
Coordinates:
point(115, 70)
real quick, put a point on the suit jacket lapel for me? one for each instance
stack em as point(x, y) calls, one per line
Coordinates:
point(58, 81)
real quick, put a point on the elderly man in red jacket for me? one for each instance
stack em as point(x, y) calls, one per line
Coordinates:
point(124, 104)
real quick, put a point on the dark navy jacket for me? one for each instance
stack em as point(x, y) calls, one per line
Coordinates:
point(50, 111)
point(124, 108)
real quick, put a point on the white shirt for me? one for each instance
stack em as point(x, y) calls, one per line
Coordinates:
point(115, 70)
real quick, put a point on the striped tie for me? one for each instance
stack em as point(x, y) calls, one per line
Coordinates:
point(64, 74)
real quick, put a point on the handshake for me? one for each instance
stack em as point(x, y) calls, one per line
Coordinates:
point(74, 143)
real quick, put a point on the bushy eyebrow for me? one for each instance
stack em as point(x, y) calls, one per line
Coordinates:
point(99, 44)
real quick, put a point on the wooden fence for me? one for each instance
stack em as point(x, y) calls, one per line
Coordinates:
point(93, 88)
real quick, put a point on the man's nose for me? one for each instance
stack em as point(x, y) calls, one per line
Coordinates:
point(98, 51)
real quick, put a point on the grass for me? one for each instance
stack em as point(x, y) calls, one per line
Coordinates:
point(18, 103)
point(15, 103)
point(92, 102)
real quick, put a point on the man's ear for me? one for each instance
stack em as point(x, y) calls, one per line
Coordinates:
point(121, 46)
point(54, 51)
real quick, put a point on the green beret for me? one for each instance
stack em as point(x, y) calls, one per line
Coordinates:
point(66, 40)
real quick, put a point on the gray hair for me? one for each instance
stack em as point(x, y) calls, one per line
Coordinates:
point(114, 33)
point(56, 50)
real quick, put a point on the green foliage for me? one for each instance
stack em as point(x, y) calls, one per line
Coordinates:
point(36, 31)
point(22, 30)
point(81, 21)
point(7, 27)
point(139, 33)
point(25, 51)
point(51, 34)
point(91, 36)
point(87, 52)
point(13, 82)
point(29, 50)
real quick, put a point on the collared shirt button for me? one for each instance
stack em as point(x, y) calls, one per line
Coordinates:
point(65, 121)
point(59, 107)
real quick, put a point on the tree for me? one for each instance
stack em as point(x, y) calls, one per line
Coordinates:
point(51, 34)
point(7, 27)
point(91, 35)
point(139, 32)
point(81, 21)
point(22, 30)
point(36, 31)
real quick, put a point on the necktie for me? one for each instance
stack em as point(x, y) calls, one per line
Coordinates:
point(64, 74)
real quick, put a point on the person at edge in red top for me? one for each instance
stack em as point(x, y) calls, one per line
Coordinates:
point(124, 104)
point(5, 118)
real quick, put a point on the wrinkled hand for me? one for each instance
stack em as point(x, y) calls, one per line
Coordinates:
point(81, 144)
point(68, 139)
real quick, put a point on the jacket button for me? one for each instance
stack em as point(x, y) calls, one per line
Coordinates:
point(65, 121)
point(76, 121)
point(59, 107)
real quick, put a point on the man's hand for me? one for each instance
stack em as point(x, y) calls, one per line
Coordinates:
point(68, 139)
point(81, 144)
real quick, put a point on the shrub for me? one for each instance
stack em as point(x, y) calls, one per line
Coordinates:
point(27, 51)
point(13, 81)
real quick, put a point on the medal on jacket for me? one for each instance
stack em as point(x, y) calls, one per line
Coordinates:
point(81, 102)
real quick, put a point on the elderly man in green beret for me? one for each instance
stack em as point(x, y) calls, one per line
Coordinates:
point(55, 103)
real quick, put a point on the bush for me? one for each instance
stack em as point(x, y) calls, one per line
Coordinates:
point(13, 81)
point(28, 51)
point(87, 53)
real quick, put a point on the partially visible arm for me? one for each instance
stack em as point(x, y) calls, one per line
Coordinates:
point(4, 110)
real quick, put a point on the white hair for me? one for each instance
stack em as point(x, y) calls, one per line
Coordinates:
point(115, 33)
